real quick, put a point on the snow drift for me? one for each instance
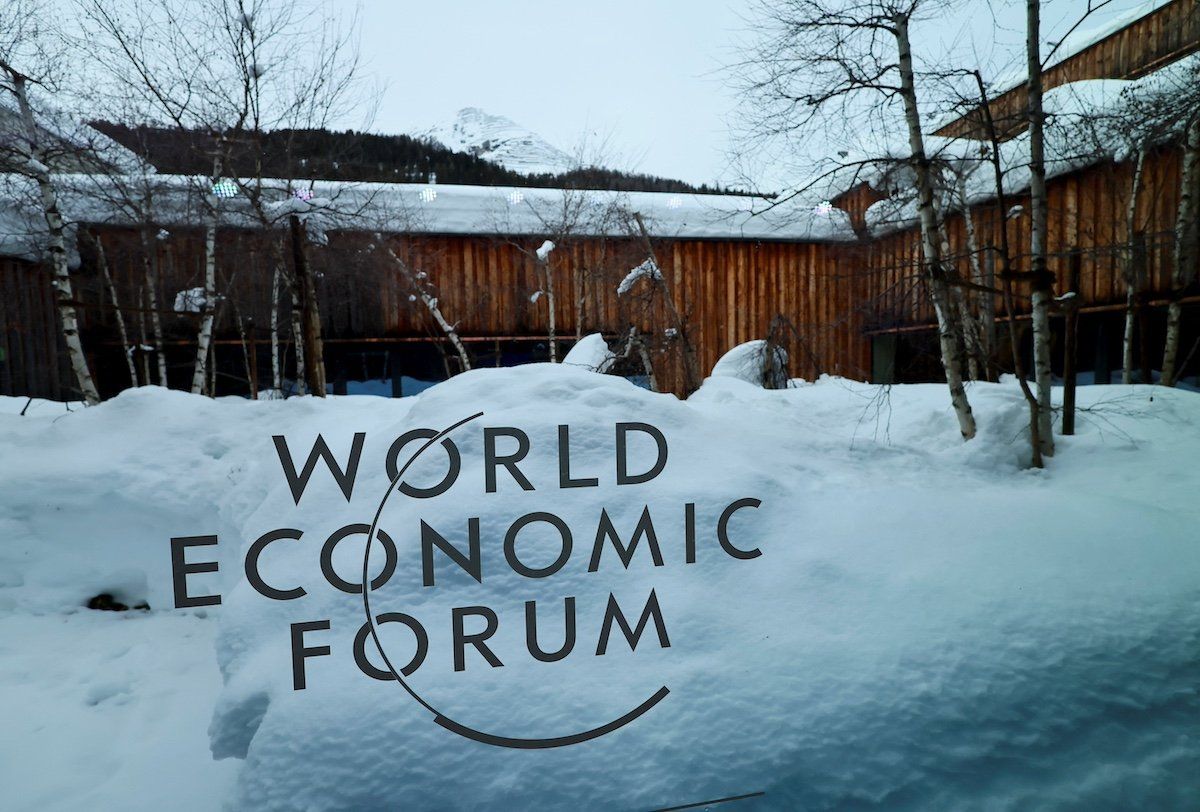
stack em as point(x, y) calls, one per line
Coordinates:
point(928, 626)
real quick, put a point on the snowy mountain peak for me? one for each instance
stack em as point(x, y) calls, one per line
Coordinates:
point(500, 140)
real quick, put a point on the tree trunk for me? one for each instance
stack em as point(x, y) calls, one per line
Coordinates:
point(550, 316)
point(150, 272)
point(431, 304)
point(310, 314)
point(1004, 253)
point(949, 336)
point(1069, 351)
point(56, 246)
point(247, 355)
point(1070, 304)
point(204, 339)
point(276, 284)
point(580, 300)
point(691, 367)
point(126, 346)
point(298, 340)
point(985, 326)
point(1042, 279)
point(1133, 273)
point(143, 356)
point(958, 294)
point(1185, 247)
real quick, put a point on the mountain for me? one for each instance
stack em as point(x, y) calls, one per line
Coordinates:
point(501, 141)
point(358, 156)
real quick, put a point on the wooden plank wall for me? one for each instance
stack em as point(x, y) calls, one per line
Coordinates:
point(29, 362)
point(1087, 216)
point(822, 302)
point(726, 292)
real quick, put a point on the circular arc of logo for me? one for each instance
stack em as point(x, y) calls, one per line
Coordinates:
point(440, 718)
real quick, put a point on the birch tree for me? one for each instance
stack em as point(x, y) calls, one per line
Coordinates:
point(1003, 254)
point(232, 70)
point(1162, 115)
point(1134, 281)
point(1185, 247)
point(1041, 279)
point(544, 262)
point(127, 346)
point(209, 304)
point(825, 65)
point(421, 289)
point(26, 62)
point(562, 218)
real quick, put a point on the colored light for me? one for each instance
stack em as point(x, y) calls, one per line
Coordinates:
point(224, 188)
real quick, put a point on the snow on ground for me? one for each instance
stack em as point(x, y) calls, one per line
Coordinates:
point(929, 625)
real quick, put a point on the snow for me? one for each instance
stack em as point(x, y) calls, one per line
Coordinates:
point(1087, 123)
point(1079, 40)
point(647, 270)
point(929, 626)
point(281, 209)
point(544, 250)
point(745, 362)
point(65, 135)
point(592, 353)
point(501, 141)
point(191, 300)
point(454, 209)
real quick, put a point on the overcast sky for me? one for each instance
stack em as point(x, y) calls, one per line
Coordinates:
point(646, 74)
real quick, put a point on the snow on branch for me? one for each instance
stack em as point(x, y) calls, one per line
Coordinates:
point(648, 269)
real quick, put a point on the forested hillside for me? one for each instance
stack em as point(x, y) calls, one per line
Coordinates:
point(358, 156)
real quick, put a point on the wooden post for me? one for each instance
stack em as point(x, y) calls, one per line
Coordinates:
point(253, 364)
point(1071, 306)
point(394, 369)
point(310, 318)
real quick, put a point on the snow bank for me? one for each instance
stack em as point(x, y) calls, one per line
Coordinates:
point(592, 353)
point(928, 625)
point(745, 362)
point(864, 656)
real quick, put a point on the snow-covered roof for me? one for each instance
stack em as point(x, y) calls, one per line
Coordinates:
point(70, 142)
point(1071, 45)
point(455, 209)
point(1087, 122)
point(450, 209)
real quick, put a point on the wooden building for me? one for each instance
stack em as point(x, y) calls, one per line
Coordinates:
point(841, 295)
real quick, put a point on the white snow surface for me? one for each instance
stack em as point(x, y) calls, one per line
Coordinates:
point(929, 626)
point(592, 353)
point(500, 140)
point(402, 208)
point(191, 300)
point(745, 362)
point(1087, 122)
point(1079, 40)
